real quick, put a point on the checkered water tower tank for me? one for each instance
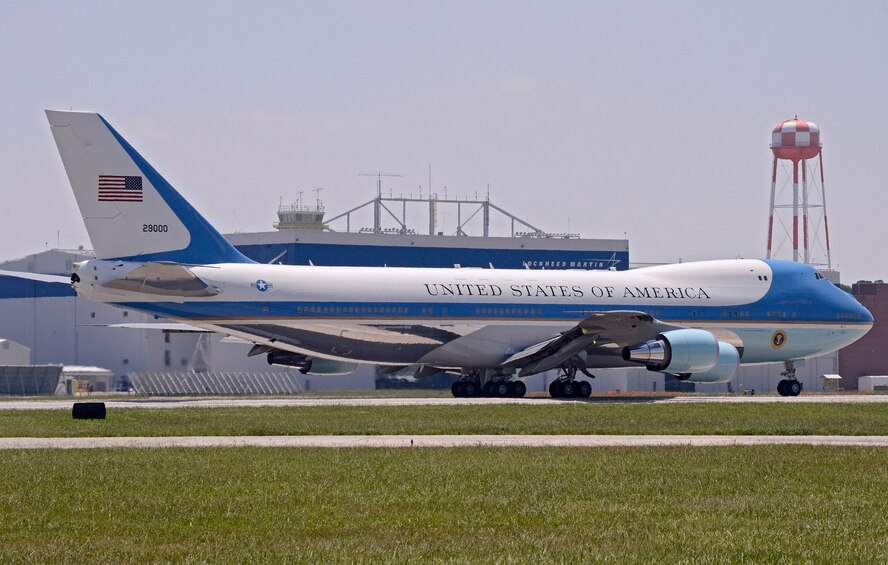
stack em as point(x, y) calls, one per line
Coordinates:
point(795, 139)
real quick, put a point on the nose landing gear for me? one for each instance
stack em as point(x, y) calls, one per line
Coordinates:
point(789, 386)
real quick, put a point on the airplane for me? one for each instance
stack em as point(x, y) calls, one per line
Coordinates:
point(698, 321)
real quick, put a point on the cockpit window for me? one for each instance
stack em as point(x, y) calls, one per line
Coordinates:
point(818, 276)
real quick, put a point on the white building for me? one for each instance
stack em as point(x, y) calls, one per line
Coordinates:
point(12, 353)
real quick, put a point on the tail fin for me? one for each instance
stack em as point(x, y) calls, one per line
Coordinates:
point(130, 211)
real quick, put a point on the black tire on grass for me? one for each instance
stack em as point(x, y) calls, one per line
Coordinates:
point(88, 411)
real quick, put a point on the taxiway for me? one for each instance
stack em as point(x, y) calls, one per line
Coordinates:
point(229, 402)
point(404, 441)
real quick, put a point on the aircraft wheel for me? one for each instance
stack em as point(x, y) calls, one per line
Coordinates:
point(793, 388)
point(489, 389)
point(520, 389)
point(500, 389)
point(470, 389)
point(458, 389)
point(568, 389)
point(511, 385)
point(555, 389)
point(584, 390)
point(781, 388)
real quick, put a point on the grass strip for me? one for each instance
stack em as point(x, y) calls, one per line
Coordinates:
point(579, 418)
point(789, 504)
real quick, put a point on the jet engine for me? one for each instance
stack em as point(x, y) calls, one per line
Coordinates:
point(724, 370)
point(695, 355)
point(287, 359)
point(306, 365)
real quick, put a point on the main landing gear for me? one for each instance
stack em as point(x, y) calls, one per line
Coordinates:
point(566, 385)
point(789, 386)
point(498, 386)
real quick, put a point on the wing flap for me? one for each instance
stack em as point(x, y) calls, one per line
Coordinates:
point(601, 331)
point(527, 353)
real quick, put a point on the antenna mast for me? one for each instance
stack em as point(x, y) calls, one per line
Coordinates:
point(377, 202)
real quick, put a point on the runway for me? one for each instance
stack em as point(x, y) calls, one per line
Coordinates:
point(418, 441)
point(226, 402)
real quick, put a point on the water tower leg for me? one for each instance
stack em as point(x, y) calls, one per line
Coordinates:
point(825, 223)
point(795, 210)
point(805, 209)
point(771, 210)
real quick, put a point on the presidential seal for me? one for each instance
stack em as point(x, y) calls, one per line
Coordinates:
point(778, 339)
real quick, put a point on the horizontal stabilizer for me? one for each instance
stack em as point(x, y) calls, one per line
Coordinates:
point(37, 277)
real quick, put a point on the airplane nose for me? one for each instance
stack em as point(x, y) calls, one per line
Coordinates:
point(855, 310)
point(864, 314)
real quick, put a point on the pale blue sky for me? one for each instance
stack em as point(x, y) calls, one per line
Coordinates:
point(649, 118)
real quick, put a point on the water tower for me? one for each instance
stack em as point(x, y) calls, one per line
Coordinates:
point(797, 142)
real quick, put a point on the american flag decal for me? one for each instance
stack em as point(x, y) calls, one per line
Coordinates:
point(114, 188)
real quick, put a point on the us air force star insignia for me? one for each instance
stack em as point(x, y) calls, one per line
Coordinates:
point(261, 285)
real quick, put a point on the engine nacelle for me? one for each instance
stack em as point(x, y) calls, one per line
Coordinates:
point(677, 351)
point(306, 365)
point(694, 355)
point(724, 370)
point(288, 359)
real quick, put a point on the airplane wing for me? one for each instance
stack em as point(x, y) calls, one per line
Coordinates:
point(602, 333)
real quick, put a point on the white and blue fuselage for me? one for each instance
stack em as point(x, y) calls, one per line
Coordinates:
point(770, 310)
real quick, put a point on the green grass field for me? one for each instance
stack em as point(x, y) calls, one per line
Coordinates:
point(579, 418)
point(790, 504)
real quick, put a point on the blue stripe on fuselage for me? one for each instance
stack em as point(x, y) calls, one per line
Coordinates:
point(496, 311)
